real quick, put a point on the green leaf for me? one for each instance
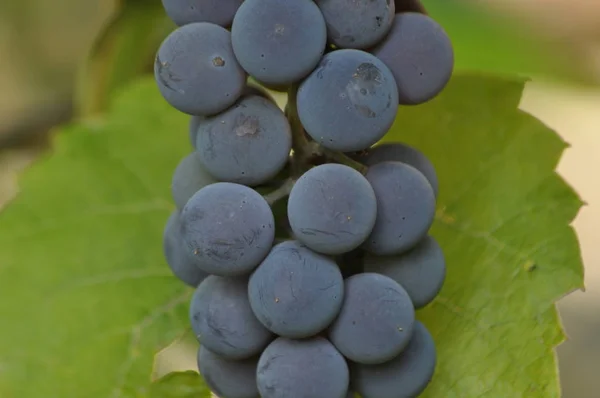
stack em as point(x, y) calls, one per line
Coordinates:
point(503, 222)
point(180, 385)
point(91, 299)
point(123, 51)
point(502, 44)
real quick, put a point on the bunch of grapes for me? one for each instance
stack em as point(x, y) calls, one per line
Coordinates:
point(306, 240)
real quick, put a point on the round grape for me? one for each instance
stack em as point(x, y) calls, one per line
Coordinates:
point(295, 292)
point(405, 208)
point(229, 228)
point(301, 369)
point(405, 376)
point(219, 12)
point(398, 152)
point(189, 177)
point(226, 378)
point(278, 41)
point(419, 54)
point(376, 320)
point(332, 209)
point(181, 262)
point(421, 271)
point(196, 70)
point(359, 23)
point(349, 102)
point(223, 321)
point(248, 144)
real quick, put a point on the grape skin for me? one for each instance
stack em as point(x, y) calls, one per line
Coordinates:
point(278, 42)
point(399, 152)
point(196, 71)
point(405, 208)
point(229, 228)
point(295, 292)
point(349, 102)
point(193, 129)
point(376, 320)
point(405, 376)
point(219, 12)
point(302, 369)
point(226, 378)
point(332, 209)
point(419, 53)
point(358, 24)
point(182, 264)
point(248, 144)
point(223, 321)
point(189, 177)
point(421, 271)
point(249, 90)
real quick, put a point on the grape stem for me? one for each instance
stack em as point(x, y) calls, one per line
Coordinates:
point(281, 192)
point(338, 157)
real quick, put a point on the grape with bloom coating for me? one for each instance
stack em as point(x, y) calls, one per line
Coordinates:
point(302, 369)
point(223, 321)
point(421, 270)
point(228, 379)
point(228, 227)
point(376, 320)
point(189, 177)
point(196, 71)
point(332, 209)
point(278, 42)
point(219, 12)
point(405, 208)
point(419, 53)
point(405, 376)
point(349, 101)
point(181, 262)
point(295, 292)
point(357, 24)
point(248, 144)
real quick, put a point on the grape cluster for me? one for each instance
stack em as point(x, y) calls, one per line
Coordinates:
point(306, 240)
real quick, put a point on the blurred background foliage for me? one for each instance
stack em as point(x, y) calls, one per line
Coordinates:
point(64, 58)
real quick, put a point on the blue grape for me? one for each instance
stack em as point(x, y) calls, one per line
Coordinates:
point(228, 227)
point(189, 177)
point(421, 271)
point(349, 102)
point(193, 128)
point(357, 24)
point(405, 208)
point(226, 378)
point(419, 54)
point(405, 376)
point(310, 368)
point(219, 12)
point(180, 261)
point(398, 152)
point(295, 292)
point(332, 209)
point(223, 321)
point(196, 70)
point(248, 144)
point(278, 42)
point(376, 320)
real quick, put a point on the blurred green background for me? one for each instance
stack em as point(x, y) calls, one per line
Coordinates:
point(63, 58)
